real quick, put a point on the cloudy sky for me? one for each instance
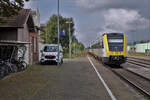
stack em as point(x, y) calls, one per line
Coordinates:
point(94, 17)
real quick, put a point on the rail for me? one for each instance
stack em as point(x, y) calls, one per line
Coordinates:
point(139, 82)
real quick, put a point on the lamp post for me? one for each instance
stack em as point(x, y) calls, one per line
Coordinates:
point(58, 32)
point(69, 22)
point(147, 49)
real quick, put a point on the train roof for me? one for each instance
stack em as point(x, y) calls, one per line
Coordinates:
point(114, 33)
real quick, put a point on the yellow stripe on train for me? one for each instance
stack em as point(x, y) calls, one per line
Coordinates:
point(116, 53)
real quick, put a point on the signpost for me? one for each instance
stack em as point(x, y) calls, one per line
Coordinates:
point(58, 33)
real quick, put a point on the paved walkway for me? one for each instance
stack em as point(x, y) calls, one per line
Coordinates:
point(74, 80)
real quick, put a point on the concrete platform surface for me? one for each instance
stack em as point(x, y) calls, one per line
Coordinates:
point(74, 80)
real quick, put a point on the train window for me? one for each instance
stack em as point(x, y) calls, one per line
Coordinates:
point(102, 44)
point(115, 40)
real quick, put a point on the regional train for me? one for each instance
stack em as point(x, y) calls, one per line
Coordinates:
point(110, 47)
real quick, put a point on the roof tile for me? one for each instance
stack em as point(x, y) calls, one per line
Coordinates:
point(16, 21)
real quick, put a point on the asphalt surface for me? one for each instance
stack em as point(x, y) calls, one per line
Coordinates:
point(74, 80)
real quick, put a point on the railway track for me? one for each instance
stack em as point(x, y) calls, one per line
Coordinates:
point(139, 82)
point(147, 60)
point(139, 62)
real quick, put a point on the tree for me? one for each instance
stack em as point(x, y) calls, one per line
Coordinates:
point(9, 8)
point(77, 47)
point(50, 34)
point(142, 41)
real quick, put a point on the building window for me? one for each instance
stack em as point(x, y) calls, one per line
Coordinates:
point(34, 47)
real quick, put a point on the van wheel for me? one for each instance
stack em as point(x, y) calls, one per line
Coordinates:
point(62, 61)
point(42, 63)
point(2, 73)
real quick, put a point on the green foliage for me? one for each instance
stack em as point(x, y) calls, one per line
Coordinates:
point(50, 34)
point(77, 47)
point(9, 8)
point(143, 41)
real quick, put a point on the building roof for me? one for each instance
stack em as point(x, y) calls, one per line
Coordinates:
point(18, 20)
point(11, 42)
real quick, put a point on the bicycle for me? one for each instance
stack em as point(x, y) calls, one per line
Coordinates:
point(2, 69)
point(21, 65)
point(12, 68)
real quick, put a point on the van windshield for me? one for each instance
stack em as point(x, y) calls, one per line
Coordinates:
point(50, 48)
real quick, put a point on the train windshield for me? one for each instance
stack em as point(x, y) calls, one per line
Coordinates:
point(115, 42)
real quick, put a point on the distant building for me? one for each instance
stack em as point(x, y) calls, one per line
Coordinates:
point(43, 26)
point(139, 48)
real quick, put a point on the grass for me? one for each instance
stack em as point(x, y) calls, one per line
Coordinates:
point(82, 53)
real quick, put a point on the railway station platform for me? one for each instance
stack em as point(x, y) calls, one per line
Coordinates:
point(76, 79)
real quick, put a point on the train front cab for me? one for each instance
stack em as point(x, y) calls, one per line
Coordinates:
point(114, 53)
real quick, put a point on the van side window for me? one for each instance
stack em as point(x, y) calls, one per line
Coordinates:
point(102, 44)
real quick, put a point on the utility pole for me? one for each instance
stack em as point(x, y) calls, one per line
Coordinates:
point(58, 32)
point(74, 48)
point(69, 22)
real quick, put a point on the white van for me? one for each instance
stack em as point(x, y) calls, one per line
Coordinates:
point(49, 53)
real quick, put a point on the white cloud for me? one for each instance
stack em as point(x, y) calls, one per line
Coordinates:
point(129, 16)
point(122, 20)
point(98, 5)
point(32, 4)
point(92, 3)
